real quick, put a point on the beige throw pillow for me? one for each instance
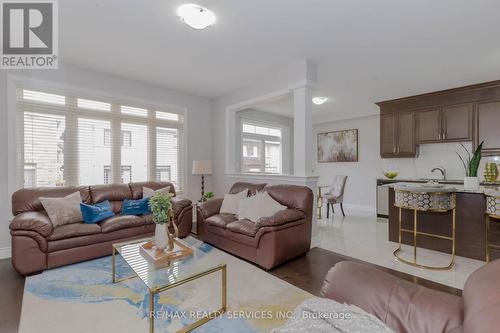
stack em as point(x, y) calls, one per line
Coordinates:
point(231, 202)
point(259, 206)
point(63, 210)
point(148, 193)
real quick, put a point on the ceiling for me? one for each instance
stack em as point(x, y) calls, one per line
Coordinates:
point(366, 51)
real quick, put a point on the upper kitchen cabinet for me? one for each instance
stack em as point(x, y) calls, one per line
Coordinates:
point(457, 122)
point(488, 127)
point(469, 113)
point(429, 126)
point(447, 124)
point(397, 135)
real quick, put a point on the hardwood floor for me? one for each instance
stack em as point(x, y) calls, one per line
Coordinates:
point(11, 286)
point(306, 272)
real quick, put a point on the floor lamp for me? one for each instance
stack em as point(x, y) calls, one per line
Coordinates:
point(202, 168)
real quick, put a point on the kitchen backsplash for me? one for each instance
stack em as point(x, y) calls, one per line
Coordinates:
point(434, 155)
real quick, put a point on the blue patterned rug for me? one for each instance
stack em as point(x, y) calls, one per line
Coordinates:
point(82, 298)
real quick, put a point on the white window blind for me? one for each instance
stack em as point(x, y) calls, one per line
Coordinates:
point(68, 140)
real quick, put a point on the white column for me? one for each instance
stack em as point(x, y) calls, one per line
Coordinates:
point(302, 130)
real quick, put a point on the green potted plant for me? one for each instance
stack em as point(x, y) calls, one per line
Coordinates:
point(207, 196)
point(161, 205)
point(471, 165)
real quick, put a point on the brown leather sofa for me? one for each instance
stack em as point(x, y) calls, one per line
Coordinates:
point(408, 307)
point(269, 242)
point(37, 246)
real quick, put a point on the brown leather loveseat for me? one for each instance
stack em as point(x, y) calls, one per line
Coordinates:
point(410, 308)
point(37, 245)
point(268, 242)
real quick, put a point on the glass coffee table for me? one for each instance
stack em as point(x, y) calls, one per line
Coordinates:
point(177, 273)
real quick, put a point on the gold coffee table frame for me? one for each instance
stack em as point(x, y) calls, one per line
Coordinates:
point(416, 233)
point(153, 291)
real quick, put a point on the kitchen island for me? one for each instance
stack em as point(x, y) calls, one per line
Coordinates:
point(470, 225)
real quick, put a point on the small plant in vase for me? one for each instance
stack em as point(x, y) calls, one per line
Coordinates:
point(471, 165)
point(161, 207)
point(207, 196)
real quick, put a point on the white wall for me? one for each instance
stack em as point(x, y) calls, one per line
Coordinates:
point(199, 119)
point(361, 182)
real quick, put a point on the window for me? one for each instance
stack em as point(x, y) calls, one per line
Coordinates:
point(67, 140)
point(126, 138)
point(125, 176)
point(163, 173)
point(261, 150)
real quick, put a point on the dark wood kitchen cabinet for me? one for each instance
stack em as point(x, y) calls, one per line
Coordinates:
point(457, 122)
point(428, 126)
point(470, 113)
point(447, 124)
point(397, 135)
point(488, 126)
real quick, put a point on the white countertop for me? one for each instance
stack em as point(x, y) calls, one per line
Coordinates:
point(459, 188)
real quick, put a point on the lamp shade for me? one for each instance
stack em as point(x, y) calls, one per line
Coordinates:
point(202, 167)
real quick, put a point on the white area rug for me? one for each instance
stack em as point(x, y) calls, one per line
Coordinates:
point(81, 298)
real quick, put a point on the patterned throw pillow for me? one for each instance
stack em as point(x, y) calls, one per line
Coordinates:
point(64, 210)
point(96, 213)
point(136, 207)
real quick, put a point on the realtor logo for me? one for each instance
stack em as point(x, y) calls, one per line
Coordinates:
point(29, 34)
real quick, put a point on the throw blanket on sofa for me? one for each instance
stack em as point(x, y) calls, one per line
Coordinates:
point(321, 315)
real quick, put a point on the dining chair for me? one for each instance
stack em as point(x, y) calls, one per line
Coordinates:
point(335, 195)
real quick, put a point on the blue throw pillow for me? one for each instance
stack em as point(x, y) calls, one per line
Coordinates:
point(96, 213)
point(136, 207)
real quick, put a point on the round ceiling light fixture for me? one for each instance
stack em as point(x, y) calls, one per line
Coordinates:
point(319, 100)
point(195, 16)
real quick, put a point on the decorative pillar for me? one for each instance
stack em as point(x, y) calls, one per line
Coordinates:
point(302, 129)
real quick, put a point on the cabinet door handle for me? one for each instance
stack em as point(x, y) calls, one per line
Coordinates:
point(444, 136)
point(439, 136)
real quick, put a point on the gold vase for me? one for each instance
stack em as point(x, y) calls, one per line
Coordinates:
point(490, 172)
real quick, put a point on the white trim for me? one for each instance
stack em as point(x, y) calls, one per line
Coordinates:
point(5, 252)
point(301, 84)
point(264, 176)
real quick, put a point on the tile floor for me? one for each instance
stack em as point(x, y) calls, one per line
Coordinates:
point(365, 237)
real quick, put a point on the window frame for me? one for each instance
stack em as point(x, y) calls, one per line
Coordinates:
point(70, 109)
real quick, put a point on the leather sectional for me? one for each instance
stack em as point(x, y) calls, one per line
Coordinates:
point(269, 242)
point(37, 246)
point(407, 307)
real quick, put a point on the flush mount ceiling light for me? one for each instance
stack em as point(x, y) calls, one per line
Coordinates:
point(319, 100)
point(195, 16)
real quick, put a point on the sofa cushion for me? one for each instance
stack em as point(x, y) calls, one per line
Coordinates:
point(231, 202)
point(136, 188)
point(124, 221)
point(245, 227)
point(281, 217)
point(221, 220)
point(28, 199)
point(73, 230)
point(63, 210)
point(136, 207)
point(259, 206)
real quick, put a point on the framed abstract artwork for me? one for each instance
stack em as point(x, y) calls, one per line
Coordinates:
point(338, 146)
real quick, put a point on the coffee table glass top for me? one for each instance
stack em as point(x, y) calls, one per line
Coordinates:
point(155, 278)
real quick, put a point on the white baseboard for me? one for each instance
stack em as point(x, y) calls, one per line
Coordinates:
point(5, 252)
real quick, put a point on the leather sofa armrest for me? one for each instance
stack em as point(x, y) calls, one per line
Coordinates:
point(179, 204)
point(401, 305)
point(32, 221)
point(281, 217)
point(210, 207)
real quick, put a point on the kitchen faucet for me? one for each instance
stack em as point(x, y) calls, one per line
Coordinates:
point(442, 170)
